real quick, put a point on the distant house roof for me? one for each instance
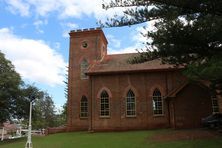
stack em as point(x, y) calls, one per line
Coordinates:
point(10, 126)
point(118, 63)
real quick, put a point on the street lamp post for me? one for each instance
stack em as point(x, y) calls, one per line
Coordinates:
point(29, 139)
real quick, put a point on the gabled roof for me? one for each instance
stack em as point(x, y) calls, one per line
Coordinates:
point(118, 63)
point(173, 93)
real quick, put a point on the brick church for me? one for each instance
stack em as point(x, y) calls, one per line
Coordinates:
point(106, 93)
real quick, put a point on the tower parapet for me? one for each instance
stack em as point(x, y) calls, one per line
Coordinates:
point(90, 38)
point(86, 29)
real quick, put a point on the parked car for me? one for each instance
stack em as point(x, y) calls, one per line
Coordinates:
point(213, 121)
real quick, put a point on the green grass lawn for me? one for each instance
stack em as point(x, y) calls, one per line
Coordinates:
point(132, 139)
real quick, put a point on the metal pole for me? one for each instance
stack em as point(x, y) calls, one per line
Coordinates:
point(3, 131)
point(29, 139)
point(20, 131)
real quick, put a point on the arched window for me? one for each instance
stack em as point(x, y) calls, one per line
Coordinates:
point(104, 104)
point(157, 103)
point(215, 106)
point(84, 67)
point(130, 104)
point(84, 107)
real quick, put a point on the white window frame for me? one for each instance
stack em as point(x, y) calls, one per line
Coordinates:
point(215, 105)
point(84, 107)
point(104, 102)
point(157, 105)
point(130, 95)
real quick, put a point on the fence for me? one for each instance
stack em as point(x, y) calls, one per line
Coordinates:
point(55, 130)
point(6, 133)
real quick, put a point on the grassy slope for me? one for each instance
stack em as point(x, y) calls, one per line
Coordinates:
point(136, 139)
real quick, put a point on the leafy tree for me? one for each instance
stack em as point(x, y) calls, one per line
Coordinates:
point(188, 33)
point(29, 93)
point(43, 114)
point(43, 110)
point(49, 111)
point(64, 111)
point(15, 97)
point(10, 82)
point(60, 118)
point(21, 109)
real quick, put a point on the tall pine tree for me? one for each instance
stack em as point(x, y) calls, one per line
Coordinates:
point(188, 33)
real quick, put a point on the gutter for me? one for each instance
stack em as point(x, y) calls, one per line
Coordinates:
point(132, 71)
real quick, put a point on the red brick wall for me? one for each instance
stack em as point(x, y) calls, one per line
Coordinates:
point(143, 86)
point(76, 86)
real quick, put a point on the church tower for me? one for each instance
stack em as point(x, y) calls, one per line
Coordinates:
point(86, 47)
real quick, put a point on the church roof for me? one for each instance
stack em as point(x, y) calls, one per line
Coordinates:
point(117, 63)
point(173, 93)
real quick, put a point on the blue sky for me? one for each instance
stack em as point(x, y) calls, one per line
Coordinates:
point(34, 36)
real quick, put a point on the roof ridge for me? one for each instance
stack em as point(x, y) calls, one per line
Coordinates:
point(122, 54)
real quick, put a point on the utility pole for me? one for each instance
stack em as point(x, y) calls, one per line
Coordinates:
point(29, 139)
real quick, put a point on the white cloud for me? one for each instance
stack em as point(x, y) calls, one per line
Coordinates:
point(67, 27)
point(113, 49)
point(140, 31)
point(64, 8)
point(113, 41)
point(18, 6)
point(136, 37)
point(33, 59)
point(44, 7)
point(71, 25)
point(78, 8)
point(38, 24)
point(131, 49)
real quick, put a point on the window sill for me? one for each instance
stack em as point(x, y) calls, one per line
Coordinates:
point(104, 117)
point(83, 118)
point(159, 115)
point(130, 116)
point(84, 78)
